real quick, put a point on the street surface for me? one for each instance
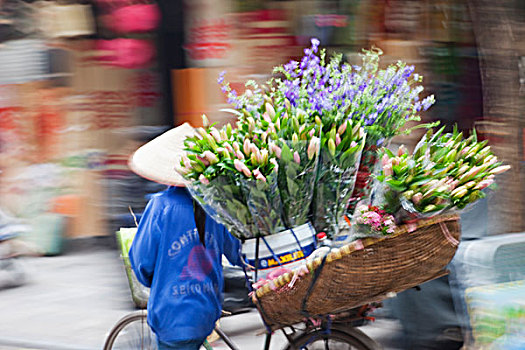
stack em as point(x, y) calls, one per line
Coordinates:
point(72, 301)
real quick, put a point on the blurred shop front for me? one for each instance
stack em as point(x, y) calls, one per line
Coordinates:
point(85, 83)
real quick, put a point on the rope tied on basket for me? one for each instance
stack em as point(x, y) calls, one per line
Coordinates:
point(448, 235)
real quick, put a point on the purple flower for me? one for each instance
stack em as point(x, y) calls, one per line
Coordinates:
point(220, 79)
point(407, 72)
point(427, 102)
point(291, 66)
point(315, 44)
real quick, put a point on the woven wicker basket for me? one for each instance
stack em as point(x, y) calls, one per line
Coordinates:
point(362, 272)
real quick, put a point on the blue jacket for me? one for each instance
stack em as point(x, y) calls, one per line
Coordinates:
point(185, 277)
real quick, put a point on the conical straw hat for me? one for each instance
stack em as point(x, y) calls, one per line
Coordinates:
point(156, 159)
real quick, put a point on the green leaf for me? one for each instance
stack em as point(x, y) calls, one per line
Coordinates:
point(396, 185)
point(286, 154)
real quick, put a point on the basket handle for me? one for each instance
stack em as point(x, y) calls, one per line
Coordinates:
point(453, 241)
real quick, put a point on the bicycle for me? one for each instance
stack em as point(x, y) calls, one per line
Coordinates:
point(132, 333)
point(339, 331)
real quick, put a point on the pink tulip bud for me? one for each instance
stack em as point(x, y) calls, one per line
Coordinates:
point(270, 110)
point(253, 148)
point(395, 161)
point(239, 155)
point(246, 171)
point(224, 135)
point(182, 170)
point(472, 172)
point(484, 184)
point(313, 147)
point(257, 172)
point(301, 129)
point(266, 117)
point(251, 124)
point(463, 169)
point(385, 160)
point(229, 147)
point(204, 161)
point(216, 135)
point(259, 157)
point(260, 177)
point(387, 170)
point(353, 144)
point(342, 128)
point(264, 135)
point(236, 146)
point(205, 121)
point(337, 139)
point(203, 179)
point(278, 124)
point(331, 146)
point(277, 150)
point(312, 132)
point(246, 147)
point(186, 161)
point(238, 165)
point(499, 170)
point(490, 160)
point(459, 192)
point(253, 158)
point(202, 132)
point(401, 150)
point(417, 198)
point(470, 184)
point(296, 157)
point(212, 158)
point(264, 154)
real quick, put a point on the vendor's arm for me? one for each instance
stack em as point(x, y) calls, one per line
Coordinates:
point(232, 248)
point(144, 250)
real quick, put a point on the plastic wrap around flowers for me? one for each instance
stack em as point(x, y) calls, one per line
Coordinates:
point(251, 179)
point(259, 178)
point(445, 172)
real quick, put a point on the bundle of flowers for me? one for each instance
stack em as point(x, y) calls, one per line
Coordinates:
point(445, 172)
point(371, 221)
point(383, 100)
point(293, 137)
point(236, 172)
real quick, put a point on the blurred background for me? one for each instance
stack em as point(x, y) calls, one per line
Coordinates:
point(83, 83)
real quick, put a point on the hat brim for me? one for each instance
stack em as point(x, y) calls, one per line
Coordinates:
point(156, 159)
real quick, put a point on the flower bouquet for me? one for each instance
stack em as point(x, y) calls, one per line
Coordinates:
point(382, 100)
point(372, 221)
point(252, 178)
point(385, 99)
point(312, 89)
point(445, 172)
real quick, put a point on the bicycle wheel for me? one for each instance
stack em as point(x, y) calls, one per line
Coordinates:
point(131, 333)
point(335, 340)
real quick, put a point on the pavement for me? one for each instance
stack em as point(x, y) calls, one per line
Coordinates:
point(71, 301)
